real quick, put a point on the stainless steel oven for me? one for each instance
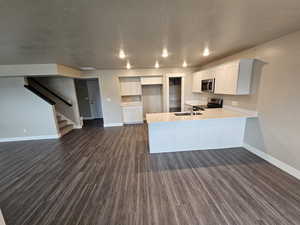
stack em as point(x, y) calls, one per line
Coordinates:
point(208, 85)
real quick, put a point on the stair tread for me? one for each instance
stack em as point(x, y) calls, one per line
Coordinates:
point(62, 123)
point(66, 129)
point(67, 126)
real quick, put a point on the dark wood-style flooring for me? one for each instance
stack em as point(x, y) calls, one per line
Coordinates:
point(97, 176)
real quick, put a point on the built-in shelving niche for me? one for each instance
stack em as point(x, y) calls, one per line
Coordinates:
point(131, 99)
point(152, 96)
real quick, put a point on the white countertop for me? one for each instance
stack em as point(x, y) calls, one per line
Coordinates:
point(219, 113)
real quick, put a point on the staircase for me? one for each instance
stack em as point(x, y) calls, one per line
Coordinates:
point(64, 126)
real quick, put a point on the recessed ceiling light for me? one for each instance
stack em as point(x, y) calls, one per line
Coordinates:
point(128, 66)
point(184, 64)
point(87, 68)
point(206, 52)
point(165, 53)
point(122, 54)
point(156, 64)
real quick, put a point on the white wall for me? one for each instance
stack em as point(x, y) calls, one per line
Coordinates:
point(109, 87)
point(22, 113)
point(64, 87)
point(276, 94)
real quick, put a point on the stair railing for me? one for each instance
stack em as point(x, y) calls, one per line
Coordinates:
point(51, 92)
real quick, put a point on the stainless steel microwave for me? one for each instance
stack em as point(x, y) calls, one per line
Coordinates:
point(208, 85)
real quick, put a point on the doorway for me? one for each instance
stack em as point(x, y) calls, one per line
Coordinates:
point(174, 92)
point(89, 101)
point(175, 84)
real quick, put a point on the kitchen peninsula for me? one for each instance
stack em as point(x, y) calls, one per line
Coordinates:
point(213, 129)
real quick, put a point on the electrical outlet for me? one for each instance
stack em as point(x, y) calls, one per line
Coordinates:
point(25, 131)
point(234, 103)
point(108, 99)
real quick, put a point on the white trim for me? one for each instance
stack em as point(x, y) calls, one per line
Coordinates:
point(77, 127)
point(113, 124)
point(166, 95)
point(55, 120)
point(132, 123)
point(2, 222)
point(251, 112)
point(29, 138)
point(281, 165)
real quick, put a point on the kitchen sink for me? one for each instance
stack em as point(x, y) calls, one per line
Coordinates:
point(187, 114)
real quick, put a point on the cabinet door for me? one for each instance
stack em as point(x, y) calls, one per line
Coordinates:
point(132, 114)
point(197, 82)
point(151, 80)
point(226, 79)
point(208, 74)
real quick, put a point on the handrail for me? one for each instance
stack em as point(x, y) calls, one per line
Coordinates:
point(51, 92)
point(35, 91)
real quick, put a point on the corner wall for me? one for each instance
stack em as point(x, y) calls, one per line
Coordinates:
point(276, 94)
point(24, 115)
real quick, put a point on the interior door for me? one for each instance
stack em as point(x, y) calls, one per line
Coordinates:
point(94, 97)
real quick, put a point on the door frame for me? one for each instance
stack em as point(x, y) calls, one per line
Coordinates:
point(92, 107)
point(167, 83)
point(99, 78)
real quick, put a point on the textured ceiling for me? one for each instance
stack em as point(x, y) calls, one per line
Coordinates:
point(90, 32)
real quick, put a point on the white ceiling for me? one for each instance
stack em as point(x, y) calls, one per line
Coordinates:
point(90, 32)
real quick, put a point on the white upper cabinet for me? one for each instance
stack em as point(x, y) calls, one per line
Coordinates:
point(226, 79)
point(197, 82)
point(151, 80)
point(208, 74)
point(130, 86)
point(234, 78)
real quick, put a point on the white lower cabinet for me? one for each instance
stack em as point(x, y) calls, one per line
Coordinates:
point(132, 114)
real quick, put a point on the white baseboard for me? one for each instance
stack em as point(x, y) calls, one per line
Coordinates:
point(77, 127)
point(113, 124)
point(29, 138)
point(132, 123)
point(281, 165)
